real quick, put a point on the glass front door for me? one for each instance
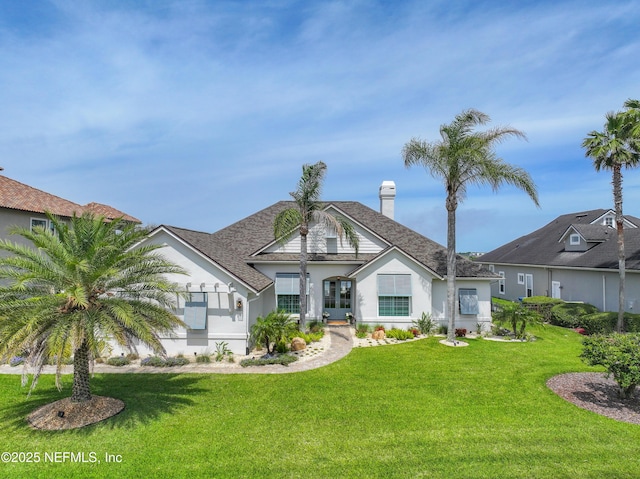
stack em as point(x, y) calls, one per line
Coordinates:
point(337, 298)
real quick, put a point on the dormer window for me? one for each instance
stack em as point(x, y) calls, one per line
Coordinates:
point(574, 239)
point(608, 221)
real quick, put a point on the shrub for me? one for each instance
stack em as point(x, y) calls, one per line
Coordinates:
point(569, 315)
point(399, 334)
point(16, 361)
point(132, 356)
point(378, 327)
point(620, 355)
point(461, 332)
point(222, 350)
point(604, 323)
point(315, 326)
point(283, 359)
point(281, 347)
point(443, 329)
point(203, 358)
point(414, 331)
point(118, 361)
point(426, 324)
point(155, 361)
point(177, 361)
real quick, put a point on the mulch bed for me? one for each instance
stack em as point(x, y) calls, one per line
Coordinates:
point(76, 414)
point(595, 393)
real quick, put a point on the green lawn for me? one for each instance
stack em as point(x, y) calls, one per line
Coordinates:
point(412, 410)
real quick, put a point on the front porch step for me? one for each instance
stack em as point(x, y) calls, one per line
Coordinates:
point(333, 322)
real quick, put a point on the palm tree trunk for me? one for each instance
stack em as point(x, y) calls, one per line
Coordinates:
point(451, 267)
point(303, 278)
point(81, 391)
point(617, 198)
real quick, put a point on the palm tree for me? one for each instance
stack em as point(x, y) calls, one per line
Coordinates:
point(462, 157)
point(82, 284)
point(307, 209)
point(617, 146)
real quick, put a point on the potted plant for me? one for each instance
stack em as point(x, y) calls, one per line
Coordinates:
point(349, 317)
point(325, 315)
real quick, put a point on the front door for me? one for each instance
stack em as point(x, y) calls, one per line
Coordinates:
point(337, 298)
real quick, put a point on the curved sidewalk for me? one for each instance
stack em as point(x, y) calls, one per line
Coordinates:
point(341, 343)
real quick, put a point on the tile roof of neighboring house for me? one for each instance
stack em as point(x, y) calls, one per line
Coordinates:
point(543, 246)
point(235, 247)
point(18, 196)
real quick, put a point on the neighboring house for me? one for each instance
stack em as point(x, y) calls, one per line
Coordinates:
point(22, 205)
point(575, 258)
point(242, 272)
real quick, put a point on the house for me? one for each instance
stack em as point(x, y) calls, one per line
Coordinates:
point(25, 206)
point(241, 272)
point(574, 257)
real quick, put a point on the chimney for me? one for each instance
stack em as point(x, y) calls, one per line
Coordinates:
point(387, 198)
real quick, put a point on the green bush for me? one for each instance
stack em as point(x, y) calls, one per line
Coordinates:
point(604, 323)
point(203, 358)
point(283, 359)
point(620, 355)
point(118, 361)
point(426, 324)
point(569, 315)
point(399, 334)
point(272, 330)
point(177, 361)
point(155, 361)
point(315, 326)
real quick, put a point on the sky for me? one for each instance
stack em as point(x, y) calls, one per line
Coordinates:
point(198, 113)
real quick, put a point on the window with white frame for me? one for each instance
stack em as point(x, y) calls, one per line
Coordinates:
point(288, 292)
point(492, 268)
point(468, 298)
point(501, 285)
point(195, 311)
point(608, 221)
point(520, 278)
point(42, 223)
point(574, 239)
point(394, 294)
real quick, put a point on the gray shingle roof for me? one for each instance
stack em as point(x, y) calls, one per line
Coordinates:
point(232, 247)
point(542, 247)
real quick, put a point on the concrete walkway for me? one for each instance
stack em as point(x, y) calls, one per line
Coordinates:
point(340, 344)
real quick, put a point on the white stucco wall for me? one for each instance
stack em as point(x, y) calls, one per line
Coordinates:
point(469, 322)
point(367, 290)
point(225, 321)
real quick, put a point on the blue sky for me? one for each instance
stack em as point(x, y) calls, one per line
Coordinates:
point(198, 113)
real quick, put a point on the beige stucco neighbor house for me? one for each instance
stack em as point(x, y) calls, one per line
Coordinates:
point(241, 272)
point(574, 257)
point(25, 206)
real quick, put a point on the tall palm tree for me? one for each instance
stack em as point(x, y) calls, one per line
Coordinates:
point(615, 147)
point(462, 157)
point(80, 285)
point(307, 209)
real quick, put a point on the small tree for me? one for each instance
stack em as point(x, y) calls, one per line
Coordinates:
point(518, 317)
point(273, 329)
point(620, 355)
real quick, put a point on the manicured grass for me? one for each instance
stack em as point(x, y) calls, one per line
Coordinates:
point(411, 410)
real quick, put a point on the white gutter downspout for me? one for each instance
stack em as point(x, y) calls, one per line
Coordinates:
point(246, 324)
point(604, 293)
